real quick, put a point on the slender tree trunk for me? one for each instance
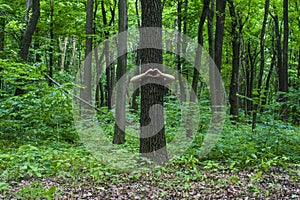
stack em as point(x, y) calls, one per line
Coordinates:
point(2, 35)
point(262, 63)
point(210, 29)
point(119, 135)
point(220, 12)
point(235, 63)
point(283, 71)
point(178, 52)
point(199, 50)
point(215, 81)
point(152, 137)
point(27, 37)
point(184, 30)
point(107, 60)
point(137, 60)
point(51, 41)
point(86, 93)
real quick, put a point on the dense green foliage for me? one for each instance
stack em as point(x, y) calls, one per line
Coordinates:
point(38, 138)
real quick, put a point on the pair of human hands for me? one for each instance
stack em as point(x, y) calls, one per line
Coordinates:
point(155, 73)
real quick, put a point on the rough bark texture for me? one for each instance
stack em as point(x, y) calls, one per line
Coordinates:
point(119, 135)
point(152, 138)
point(27, 37)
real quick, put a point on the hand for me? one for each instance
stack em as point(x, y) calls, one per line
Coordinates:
point(153, 73)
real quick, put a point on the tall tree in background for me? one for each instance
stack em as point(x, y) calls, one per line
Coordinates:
point(235, 41)
point(51, 41)
point(108, 60)
point(199, 49)
point(283, 69)
point(86, 93)
point(178, 51)
point(2, 29)
point(262, 63)
point(152, 138)
point(210, 28)
point(27, 36)
point(215, 81)
point(219, 34)
point(119, 134)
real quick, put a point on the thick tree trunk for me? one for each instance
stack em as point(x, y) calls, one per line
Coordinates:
point(199, 50)
point(119, 134)
point(152, 137)
point(235, 63)
point(262, 63)
point(27, 37)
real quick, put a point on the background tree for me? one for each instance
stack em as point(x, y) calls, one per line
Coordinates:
point(262, 63)
point(283, 69)
point(27, 36)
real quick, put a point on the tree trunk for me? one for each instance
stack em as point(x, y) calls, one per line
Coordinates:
point(262, 63)
point(199, 50)
point(220, 12)
point(51, 41)
point(178, 52)
point(86, 93)
point(27, 37)
point(210, 29)
point(107, 60)
point(119, 134)
point(283, 71)
point(235, 63)
point(2, 35)
point(152, 137)
point(215, 81)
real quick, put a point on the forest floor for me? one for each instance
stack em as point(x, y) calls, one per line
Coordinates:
point(276, 183)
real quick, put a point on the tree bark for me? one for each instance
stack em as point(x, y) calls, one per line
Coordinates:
point(119, 134)
point(27, 37)
point(152, 137)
